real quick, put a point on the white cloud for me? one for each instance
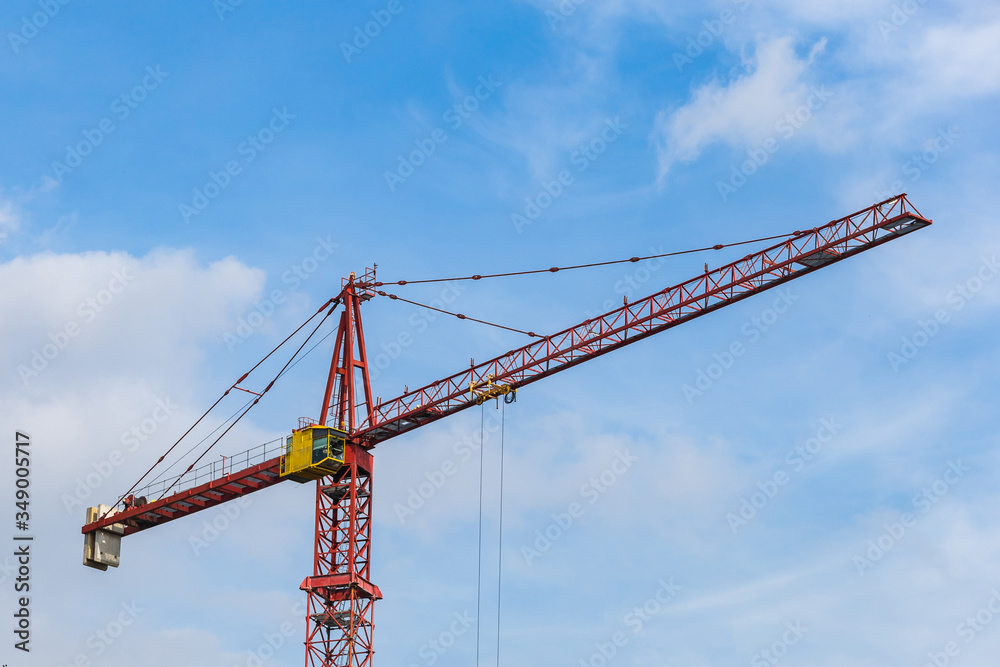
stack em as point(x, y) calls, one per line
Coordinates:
point(91, 314)
point(546, 121)
point(10, 220)
point(743, 112)
point(831, 13)
point(548, 476)
point(956, 61)
point(148, 342)
point(892, 65)
point(93, 341)
point(603, 11)
point(590, 19)
point(12, 203)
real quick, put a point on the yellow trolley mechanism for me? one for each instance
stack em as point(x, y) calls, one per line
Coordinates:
point(313, 452)
point(484, 391)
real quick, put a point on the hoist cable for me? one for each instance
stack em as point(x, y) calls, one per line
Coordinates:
point(479, 579)
point(458, 315)
point(503, 419)
point(555, 269)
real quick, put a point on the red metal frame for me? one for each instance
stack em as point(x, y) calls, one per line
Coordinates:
point(341, 595)
point(202, 497)
point(349, 366)
point(340, 613)
point(341, 606)
point(804, 253)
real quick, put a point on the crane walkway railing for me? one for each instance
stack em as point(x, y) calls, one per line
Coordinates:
point(226, 465)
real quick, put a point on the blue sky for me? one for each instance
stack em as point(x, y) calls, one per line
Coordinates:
point(182, 186)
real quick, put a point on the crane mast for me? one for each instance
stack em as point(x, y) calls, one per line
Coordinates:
point(340, 593)
point(342, 598)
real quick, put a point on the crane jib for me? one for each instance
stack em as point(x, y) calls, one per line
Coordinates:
point(804, 253)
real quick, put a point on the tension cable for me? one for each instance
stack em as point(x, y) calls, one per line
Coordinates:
point(259, 396)
point(556, 269)
point(332, 302)
point(458, 315)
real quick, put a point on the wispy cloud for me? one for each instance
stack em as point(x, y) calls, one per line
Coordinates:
point(544, 122)
point(10, 220)
point(740, 113)
point(956, 61)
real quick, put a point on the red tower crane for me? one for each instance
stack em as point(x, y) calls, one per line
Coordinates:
point(340, 592)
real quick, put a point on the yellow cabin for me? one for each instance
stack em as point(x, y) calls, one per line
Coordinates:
point(313, 452)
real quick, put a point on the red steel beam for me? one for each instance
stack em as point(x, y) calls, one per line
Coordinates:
point(804, 253)
point(183, 503)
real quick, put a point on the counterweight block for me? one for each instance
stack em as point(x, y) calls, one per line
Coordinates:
point(102, 547)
